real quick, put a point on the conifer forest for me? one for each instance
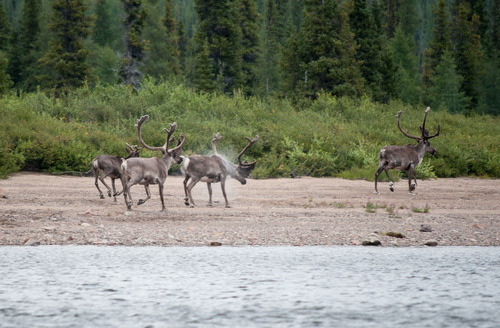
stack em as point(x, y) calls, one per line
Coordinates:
point(322, 78)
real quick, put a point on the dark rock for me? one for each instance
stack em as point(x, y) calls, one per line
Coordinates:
point(431, 243)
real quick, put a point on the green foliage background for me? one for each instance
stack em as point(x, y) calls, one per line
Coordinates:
point(326, 137)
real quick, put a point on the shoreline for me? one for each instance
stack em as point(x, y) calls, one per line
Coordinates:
point(45, 209)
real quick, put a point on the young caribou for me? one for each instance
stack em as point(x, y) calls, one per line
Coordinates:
point(406, 157)
point(111, 166)
point(213, 169)
point(149, 171)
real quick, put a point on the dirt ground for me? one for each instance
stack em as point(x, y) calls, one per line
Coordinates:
point(40, 209)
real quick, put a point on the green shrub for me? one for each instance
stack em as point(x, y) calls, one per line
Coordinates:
point(326, 137)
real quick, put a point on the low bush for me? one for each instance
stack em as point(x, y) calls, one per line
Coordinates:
point(326, 137)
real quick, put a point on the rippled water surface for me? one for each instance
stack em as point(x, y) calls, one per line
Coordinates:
point(90, 286)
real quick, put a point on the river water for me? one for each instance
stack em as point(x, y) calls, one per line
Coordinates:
point(92, 286)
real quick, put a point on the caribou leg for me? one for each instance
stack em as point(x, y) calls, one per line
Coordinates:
point(148, 195)
point(160, 186)
point(189, 188)
point(391, 183)
point(376, 178)
point(411, 172)
point(97, 184)
point(223, 186)
point(209, 186)
point(186, 197)
point(101, 178)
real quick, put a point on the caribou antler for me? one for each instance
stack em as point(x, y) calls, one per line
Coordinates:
point(402, 131)
point(140, 122)
point(250, 142)
point(173, 127)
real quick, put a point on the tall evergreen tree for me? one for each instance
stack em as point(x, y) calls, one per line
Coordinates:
point(325, 51)
point(269, 73)
point(182, 45)
point(135, 46)
point(5, 81)
point(102, 33)
point(249, 24)
point(67, 56)
point(467, 50)
point(4, 29)
point(489, 92)
point(161, 57)
point(440, 42)
point(172, 38)
point(25, 47)
point(445, 88)
point(218, 24)
point(370, 53)
point(204, 76)
point(407, 76)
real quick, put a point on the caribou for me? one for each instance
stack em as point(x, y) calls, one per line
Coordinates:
point(214, 169)
point(406, 157)
point(110, 166)
point(150, 171)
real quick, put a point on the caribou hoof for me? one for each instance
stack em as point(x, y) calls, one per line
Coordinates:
point(101, 196)
point(228, 206)
point(192, 206)
point(412, 187)
point(118, 193)
point(129, 206)
point(141, 201)
point(391, 188)
point(376, 192)
point(109, 193)
point(210, 205)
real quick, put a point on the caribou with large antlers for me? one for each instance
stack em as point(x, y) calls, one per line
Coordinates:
point(111, 166)
point(149, 171)
point(406, 157)
point(213, 169)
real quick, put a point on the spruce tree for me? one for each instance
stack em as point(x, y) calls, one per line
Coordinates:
point(269, 73)
point(407, 75)
point(67, 56)
point(489, 91)
point(5, 81)
point(204, 77)
point(325, 53)
point(24, 52)
point(218, 24)
point(135, 46)
point(172, 38)
point(370, 53)
point(161, 56)
point(102, 33)
point(249, 24)
point(4, 29)
point(467, 50)
point(440, 42)
point(445, 90)
point(182, 45)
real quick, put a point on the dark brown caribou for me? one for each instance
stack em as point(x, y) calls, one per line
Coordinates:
point(406, 157)
point(111, 166)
